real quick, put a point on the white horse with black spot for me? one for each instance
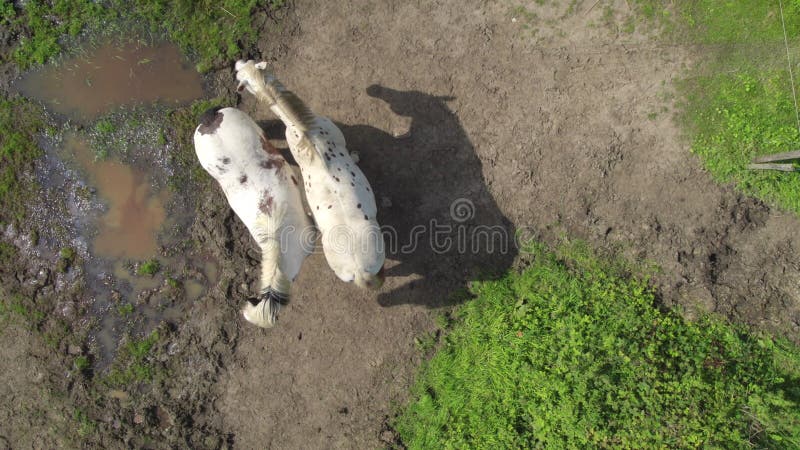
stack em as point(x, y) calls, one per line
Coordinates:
point(264, 192)
point(338, 193)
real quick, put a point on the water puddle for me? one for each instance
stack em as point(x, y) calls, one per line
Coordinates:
point(119, 204)
point(165, 296)
point(124, 234)
point(111, 75)
point(135, 214)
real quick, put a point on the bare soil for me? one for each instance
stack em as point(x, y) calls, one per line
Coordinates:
point(548, 124)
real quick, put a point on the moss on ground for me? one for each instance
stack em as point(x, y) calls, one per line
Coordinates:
point(134, 363)
point(17, 308)
point(213, 31)
point(149, 268)
point(20, 122)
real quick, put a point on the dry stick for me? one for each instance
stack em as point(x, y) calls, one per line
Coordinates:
point(789, 58)
point(778, 157)
point(591, 7)
point(232, 15)
point(781, 167)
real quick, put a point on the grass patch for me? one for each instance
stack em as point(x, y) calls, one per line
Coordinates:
point(66, 258)
point(213, 31)
point(57, 332)
point(82, 363)
point(8, 253)
point(575, 356)
point(173, 283)
point(149, 268)
point(133, 363)
point(20, 121)
point(86, 426)
point(67, 253)
point(738, 101)
point(125, 310)
point(105, 126)
point(125, 131)
point(16, 307)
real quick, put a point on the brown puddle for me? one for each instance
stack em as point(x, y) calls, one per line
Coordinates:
point(129, 227)
point(151, 296)
point(114, 75)
point(99, 81)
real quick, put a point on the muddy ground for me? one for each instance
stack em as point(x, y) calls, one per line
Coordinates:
point(545, 121)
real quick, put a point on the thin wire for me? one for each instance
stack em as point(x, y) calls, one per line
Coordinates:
point(791, 74)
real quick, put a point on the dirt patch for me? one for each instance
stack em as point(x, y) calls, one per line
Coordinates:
point(25, 386)
point(468, 117)
point(555, 123)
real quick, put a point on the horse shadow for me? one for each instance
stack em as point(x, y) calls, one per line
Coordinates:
point(441, 226)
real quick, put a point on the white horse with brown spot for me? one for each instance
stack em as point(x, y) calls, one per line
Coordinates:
point(264, 192)
point(338, 193)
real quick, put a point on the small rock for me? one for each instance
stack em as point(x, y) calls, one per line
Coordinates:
point(164, 418)
point(138, 419)
point(145, 296)
point(47, 291)
point(401, 129)
point(74, 349)
point(66, 309)
point(388, 436)
point(41, 277)
point(253, 254)
point(119, 395)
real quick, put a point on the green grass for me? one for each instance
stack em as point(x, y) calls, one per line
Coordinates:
point(104, 126)
point(173, 283)
point(67, 253)
point(737, 101)
point(571, 355)
point(213, 31)
point(15, 307)
point(86, 426)
point(20, 122)
point(125, 131)
point(8, 253)
point(57, 331)
point(82, 363)
point(133, 363)
point(125, 310)
point(66, 258)
point(149, 268)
